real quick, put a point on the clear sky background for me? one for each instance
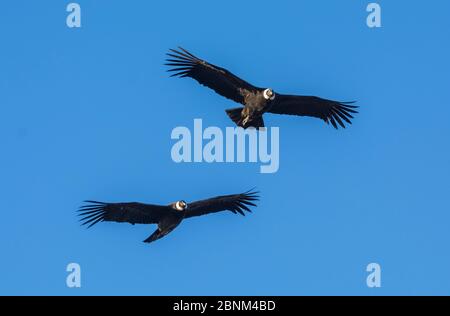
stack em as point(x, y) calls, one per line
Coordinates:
point(87, 114)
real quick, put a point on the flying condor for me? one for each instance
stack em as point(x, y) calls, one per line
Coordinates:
point(256, 101)
point(167, 217)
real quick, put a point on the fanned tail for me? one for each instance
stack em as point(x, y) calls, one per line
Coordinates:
point(235, 115)
point(157, 234)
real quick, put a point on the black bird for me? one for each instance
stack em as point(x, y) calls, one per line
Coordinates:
point(256, 101)
point(168, 217)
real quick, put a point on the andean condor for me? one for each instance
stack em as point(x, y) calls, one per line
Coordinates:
point(168, 217)
point(256, 101)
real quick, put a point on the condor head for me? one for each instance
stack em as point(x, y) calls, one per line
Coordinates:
point(269, 94)
point(180, 206)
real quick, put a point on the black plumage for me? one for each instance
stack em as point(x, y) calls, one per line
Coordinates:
point(167, 217)
point(256, 101)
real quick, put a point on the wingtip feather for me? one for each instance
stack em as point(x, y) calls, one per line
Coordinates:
point(91, 213)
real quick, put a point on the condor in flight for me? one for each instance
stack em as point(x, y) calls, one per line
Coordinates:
point(168, 217)
point(256, 101)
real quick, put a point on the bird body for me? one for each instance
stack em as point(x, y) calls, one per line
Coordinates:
point(167, 217)
point(256, 101)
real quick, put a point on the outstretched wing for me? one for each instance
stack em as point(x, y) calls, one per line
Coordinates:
point(236, 203)
point(327, 110)
point(134, 213)
point(223, 82)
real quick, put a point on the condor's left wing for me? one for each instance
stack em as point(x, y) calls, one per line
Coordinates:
point(236, 203)
point(333, 112)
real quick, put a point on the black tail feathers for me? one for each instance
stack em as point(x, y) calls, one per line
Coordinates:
point(157, 234)
point(235, 115)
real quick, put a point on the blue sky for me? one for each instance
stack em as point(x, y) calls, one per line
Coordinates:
point(87, 114)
